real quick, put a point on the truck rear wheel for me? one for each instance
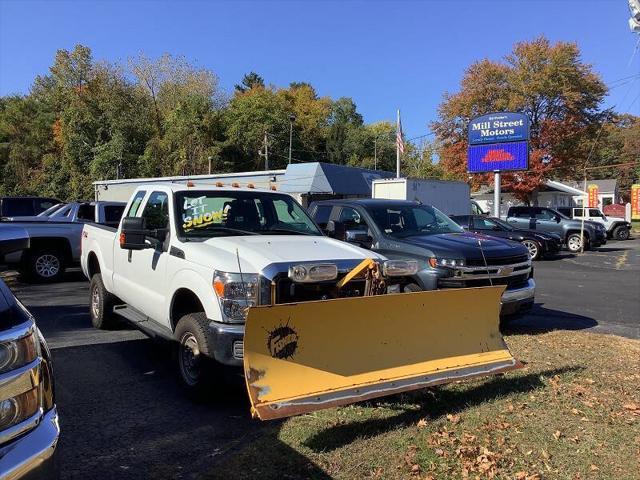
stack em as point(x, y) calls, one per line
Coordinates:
point(44, 265)
point(621, 233)
point(196, 365)
point(100, 304)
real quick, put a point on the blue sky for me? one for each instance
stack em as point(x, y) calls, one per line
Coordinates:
point(386, 55)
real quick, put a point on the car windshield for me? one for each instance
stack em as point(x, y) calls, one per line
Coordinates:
point(407, 220)
point(503, 224)
point(205, 214)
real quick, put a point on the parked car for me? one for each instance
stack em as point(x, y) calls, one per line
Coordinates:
point(29, 428)
point(186, 262)
point(55, 241)
point(539, 244)
point(547, 220)
point(448, 257)
point(24, 206)
point(616, 227)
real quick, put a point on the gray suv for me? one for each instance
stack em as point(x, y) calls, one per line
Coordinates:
point(544, 219)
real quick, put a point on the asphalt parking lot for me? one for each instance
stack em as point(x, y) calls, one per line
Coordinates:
point(123, 415)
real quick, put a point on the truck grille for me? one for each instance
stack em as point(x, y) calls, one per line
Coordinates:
point(498, 261)
point(288, 291)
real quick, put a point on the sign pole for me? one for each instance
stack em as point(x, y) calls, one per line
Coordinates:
point(496, 194)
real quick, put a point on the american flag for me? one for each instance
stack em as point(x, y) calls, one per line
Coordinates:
point(399, 140)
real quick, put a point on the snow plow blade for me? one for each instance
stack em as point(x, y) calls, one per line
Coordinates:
point(301, 357)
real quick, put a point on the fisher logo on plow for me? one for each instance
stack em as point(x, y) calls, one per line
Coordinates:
point(282, 342)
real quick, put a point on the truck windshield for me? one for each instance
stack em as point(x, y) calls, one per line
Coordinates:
point(204, 214)
point(408, 220)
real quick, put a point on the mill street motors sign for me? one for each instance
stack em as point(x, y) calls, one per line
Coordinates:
point(498, 142)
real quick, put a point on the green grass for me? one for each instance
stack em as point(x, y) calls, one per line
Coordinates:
point(635, 225)
point(572, 412)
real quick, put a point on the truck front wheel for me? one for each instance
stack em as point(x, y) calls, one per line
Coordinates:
point(100, 304)
point(196, 366)
point(574, 243)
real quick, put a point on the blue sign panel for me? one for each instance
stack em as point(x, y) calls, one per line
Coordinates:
point(498, 127)
point(498, 156)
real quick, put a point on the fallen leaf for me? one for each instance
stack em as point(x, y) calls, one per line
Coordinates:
point(557, 434)
point(453, 418)
point(575, 411)
point(422, 423)
point(631, 406)
point(439, 452)
point(593, 468)
point(521, 475)
point(415, 469)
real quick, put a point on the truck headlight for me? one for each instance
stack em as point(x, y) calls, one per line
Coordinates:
point(14, 354)
point(236, 292)
point(18, 353)
point(313, 273)
point(445, 262)
point(399, 268)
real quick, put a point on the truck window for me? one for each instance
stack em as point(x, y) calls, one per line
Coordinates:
point(521, 213)
point(156, 211)
point(113, 214)
point(352, 220)
point(594, 212)
point(544, 214)
point(135, 204)
point(577, 212)
point(17, 207)
point(322, 214)
point(44, 204)
point(87, 212)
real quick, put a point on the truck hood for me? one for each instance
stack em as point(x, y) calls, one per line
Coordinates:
point(258, 251)
point(465, 245)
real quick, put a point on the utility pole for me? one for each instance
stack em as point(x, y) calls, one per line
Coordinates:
point(210, 159)
point(375, 152)
point(292, 119)
point(496, 194)
point(266, 151)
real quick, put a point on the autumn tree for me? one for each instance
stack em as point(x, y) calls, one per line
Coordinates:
point(560, 94)
point(249, 81)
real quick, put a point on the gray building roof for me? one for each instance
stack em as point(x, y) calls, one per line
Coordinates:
point(608, 185)
point(329, 178)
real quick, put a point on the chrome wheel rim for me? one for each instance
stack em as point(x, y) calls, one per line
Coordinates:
point(95, 302)
point(623, 234)
point(532, 247)
point(574, 244)
point(189, 359)
point(47, 265)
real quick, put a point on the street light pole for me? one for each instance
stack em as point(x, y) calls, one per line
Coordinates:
point(210, 158)
point(292, 118)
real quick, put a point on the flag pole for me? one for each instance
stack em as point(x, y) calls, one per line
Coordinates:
point(398, 133)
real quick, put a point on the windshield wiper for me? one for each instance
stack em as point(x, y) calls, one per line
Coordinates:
point(286, 230)
point(224, 229)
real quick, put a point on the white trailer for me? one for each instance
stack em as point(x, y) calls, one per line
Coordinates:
point(452, 198)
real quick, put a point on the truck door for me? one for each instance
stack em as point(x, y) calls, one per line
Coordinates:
point(546, 220)
point(142, 272)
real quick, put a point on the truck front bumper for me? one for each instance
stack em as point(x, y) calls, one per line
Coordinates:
point(518, 300)
point(227, 343)
point(33, 456)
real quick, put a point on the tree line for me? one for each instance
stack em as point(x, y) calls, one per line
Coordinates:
point(90, 120)
point(87, 120)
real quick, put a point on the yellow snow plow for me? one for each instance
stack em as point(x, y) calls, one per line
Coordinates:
point(301, 357)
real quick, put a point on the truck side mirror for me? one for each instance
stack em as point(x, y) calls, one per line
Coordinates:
point(359, 237)
point(133, 234)
point(335, 229)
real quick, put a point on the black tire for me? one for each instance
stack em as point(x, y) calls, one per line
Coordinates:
point(44, 265)
point(574, 242)
point(535, 249)
point(621, 233)
point(411, 287)
point(197, 369)
point(101, 304)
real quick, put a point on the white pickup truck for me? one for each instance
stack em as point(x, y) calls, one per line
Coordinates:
point(617, 228)
point(187, 261)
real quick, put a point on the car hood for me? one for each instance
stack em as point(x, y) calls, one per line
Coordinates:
point(258, 251)
point(456, 245)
